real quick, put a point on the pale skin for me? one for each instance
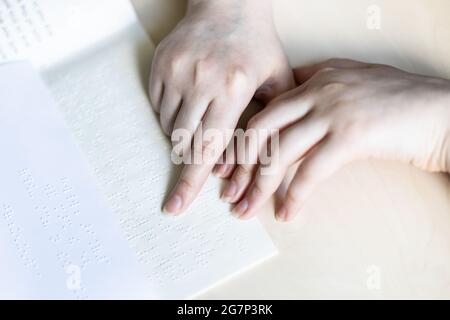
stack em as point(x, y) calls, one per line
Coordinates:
point(342, 111)
point(225, 52)
point(221, 55)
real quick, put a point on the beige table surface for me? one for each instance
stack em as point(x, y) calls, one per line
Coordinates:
point(375, 229)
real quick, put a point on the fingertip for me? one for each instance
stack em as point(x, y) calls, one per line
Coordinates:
point(173, 205)
point(249, 214)
point(246, 208)
point(288, 211)
point(281, 214)
point(291, 215)
point(240, 209)
point(237, 185)
point(229, 192)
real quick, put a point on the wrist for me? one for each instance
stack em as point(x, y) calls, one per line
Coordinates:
point(443, 113)
point(433, 125)
point(447, 131)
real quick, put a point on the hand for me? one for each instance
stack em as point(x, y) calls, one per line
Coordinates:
point(345, 110)
point(207, 71)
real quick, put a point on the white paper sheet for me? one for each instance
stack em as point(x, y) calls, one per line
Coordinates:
point(102, 94)
point(48, 32)
point(104, 99)
point(58, 239)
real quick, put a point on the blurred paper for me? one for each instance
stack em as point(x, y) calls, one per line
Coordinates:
point(101, 91)
point(50, 32)
point(58, 239)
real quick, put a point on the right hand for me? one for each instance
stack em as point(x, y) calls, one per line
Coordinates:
point(343, 110)
point(221, 55)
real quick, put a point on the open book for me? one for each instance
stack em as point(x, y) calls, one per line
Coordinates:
point(86, 168)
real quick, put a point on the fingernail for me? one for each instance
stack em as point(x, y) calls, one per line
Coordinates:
point(254, 193)
point(229, 192)
point(241, 208)
point(173, 204)
point(281, 214)
point(219, 170)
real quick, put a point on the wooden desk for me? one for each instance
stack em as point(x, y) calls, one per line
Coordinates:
point(375, 229)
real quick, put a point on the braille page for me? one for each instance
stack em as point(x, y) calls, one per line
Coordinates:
point(51, 31)
point(103, 96)
point(58, 238)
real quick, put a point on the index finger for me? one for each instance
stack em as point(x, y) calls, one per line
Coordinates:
point(210, 140)
point(189, 184)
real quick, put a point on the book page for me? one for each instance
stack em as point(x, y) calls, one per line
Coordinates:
point(58, 237)
point(103, 96)
point(51, 31)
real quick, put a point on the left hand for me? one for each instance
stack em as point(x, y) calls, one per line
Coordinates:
point(204, 75)
point(344, 110)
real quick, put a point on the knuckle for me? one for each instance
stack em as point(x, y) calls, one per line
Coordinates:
point(173, 65)
point(332, 87)
point(243, 170)
point(186, 185)
point(340, 105)
point(325, 71)
point(202, 66)
point(334, 61)
point(235, 79)
point(206, 150)
point(322, 76)
point(201, 70)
